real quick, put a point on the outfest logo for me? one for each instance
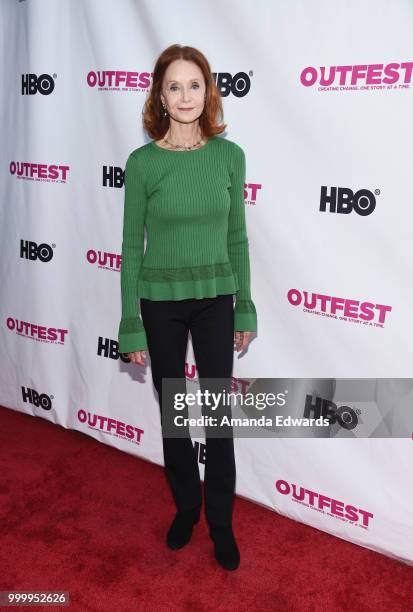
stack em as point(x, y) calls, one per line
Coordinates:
point(110, 426)
point(34, 171)
point(251, 191)
point(118, 80)
point(343, 309)
point(41, 333)
point(347, 513)
point(394, 75)
point(104, 259)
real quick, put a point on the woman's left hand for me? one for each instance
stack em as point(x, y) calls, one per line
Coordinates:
point(241, 339)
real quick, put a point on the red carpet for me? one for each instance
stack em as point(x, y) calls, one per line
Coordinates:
point(83, 517)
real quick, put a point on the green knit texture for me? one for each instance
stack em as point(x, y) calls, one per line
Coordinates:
point(192, 206)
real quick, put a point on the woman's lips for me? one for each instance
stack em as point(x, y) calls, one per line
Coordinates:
point(186, 109)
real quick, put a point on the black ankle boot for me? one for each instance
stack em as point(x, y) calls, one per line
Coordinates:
point(180, 532)
point(225, 547)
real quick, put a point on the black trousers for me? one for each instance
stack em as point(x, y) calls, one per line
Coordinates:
point(211, 324)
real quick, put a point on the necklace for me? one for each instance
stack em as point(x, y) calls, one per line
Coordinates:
point(175, 146)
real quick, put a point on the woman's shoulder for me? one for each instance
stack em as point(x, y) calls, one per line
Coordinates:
point(230, 145)
point(142, 151)
point(137, 157)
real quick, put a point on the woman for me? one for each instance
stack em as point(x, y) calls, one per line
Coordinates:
point(187, 187)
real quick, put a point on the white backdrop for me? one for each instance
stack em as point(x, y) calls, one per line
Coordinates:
point(65, 141)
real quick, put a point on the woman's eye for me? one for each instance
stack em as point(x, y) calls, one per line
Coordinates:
point(173, 87)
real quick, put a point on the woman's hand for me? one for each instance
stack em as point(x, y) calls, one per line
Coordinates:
point(241, 339)
point(138, 357)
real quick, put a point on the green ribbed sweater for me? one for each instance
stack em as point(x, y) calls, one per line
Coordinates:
point(192, 204)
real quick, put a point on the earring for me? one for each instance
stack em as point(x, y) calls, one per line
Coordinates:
point(165, 112)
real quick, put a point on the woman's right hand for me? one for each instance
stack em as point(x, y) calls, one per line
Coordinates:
point(138, 357)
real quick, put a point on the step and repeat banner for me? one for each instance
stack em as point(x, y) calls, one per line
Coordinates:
point(319, 95)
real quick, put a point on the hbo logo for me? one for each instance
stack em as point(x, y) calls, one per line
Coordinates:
point(39, 400)
point(238, 85)
point(345, 416)
point(30, 250)
point(32, 84)
point(342, 200)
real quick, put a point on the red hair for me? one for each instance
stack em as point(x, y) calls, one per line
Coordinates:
point(154, 121)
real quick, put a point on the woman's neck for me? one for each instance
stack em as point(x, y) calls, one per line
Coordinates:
point(184, 134)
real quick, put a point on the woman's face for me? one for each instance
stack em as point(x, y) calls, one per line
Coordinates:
point(183, 91)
